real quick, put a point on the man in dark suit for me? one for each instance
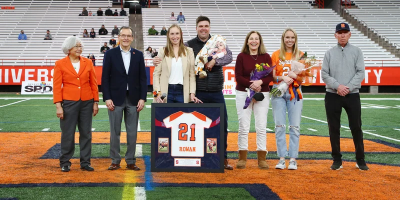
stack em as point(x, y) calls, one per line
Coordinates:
point(124, 85)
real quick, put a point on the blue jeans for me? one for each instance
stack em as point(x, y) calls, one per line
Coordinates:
point(175, 93)
point(216, 97)
point(181, 20)
point(294, 108)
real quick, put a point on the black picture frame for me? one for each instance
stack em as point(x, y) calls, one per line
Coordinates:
point(217, 158)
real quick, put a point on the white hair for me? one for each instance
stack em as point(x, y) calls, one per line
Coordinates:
point(69, 43)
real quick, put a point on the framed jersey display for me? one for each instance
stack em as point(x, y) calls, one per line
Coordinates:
point(187, 137)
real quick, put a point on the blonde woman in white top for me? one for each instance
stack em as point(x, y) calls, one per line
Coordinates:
point(174, 77)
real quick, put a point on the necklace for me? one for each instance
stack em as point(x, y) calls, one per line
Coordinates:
point(253, 57)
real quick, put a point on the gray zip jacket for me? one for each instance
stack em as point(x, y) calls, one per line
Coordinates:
point(343, 66)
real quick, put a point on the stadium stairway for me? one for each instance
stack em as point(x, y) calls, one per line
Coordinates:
point(363, 27)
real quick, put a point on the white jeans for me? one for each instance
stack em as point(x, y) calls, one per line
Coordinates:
point(260, 109)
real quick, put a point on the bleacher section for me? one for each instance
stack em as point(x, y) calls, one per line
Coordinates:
point(61, 18)
point(234, 19)
point(381, 15)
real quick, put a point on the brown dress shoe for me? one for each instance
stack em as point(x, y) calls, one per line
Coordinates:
point(227, 166)
point(114, 166)
point(133, 167)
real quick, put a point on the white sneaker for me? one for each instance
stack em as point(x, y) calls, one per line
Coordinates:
point(292, 165)
point(281, 165)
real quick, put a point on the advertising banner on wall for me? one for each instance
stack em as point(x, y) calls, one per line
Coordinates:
point(15, 75)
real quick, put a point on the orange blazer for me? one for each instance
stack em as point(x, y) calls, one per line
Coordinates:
point(69, 85)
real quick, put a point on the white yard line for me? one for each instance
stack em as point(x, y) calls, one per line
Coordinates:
point(312, 129)
point(13, 103)
point(396, 129)
point(138, 126)
point(345, 127)
point(268, 129)
point(93, 129)
point(46, 129)
point(140, 193)
point(139, 150)
point(315, 99)
point(321, 99)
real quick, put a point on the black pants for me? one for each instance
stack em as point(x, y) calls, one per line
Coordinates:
point(216, 97)
point(352, 105)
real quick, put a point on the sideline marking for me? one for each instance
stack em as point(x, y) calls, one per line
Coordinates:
point(312, 129)
point(13, 103)
point(139, 150)
point(148, 106)
point(131, 191)
point(345, 127)
point(268, 129)
point(140, 193)
point(46, 129)
point(315, 99)
point(321, 99)
point(138, 126)
point(396, 129)
point(93, 129)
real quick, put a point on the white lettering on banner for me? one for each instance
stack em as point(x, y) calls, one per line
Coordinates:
point(19, 74)
point(28, 74)
point(6, 76)
point(315, 74)
point(367, 71)
point(227, 72)
point(378, 75)
point(42, 73)
point(320, 77)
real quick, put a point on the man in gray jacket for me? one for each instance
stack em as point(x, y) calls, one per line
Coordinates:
point(343, 71)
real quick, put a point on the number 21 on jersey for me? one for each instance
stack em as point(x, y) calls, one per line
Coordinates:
point(183, 129)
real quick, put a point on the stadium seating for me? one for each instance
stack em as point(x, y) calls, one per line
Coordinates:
point(382, 16)
point(234, 19)
point(61, 18)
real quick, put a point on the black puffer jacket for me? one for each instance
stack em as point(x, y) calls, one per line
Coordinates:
point(214, 81)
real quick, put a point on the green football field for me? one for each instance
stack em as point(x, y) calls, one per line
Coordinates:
point(37, 114)
point(380, 116)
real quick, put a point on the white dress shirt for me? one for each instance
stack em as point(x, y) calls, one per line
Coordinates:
point(126, 57)
point(176, 76)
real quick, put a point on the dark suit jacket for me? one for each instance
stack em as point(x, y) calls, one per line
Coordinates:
point(114, 78)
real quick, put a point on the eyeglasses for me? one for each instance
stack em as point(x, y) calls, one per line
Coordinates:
point(126, 36)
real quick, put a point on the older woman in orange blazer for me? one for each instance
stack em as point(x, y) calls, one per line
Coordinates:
point(76, 95)
point(175, 75)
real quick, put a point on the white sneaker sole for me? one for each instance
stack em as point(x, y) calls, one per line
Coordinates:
point(292, 168)
point(341, 166)
point(280, 167)
point(361, 169)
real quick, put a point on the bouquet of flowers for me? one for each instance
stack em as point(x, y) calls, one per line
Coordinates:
point(302, 69)
point(261, 71)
